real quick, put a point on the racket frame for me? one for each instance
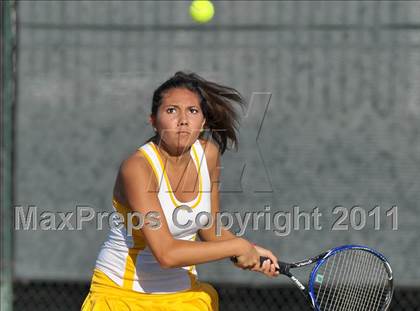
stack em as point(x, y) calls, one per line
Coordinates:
point(321, 259)
point(308, 292)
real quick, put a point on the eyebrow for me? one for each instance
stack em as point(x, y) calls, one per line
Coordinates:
point(174, 105)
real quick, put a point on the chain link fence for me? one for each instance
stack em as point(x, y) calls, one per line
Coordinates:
point(68, 296)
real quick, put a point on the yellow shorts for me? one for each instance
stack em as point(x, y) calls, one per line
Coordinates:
point(105, 295)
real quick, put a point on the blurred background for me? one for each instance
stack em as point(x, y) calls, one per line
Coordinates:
point(333, 120)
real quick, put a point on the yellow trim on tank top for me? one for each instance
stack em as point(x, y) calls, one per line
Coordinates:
point(152, 165)
point(174, 200)
point(139, 243)
point(138, 238)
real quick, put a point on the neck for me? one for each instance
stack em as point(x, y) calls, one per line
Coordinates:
point(175, 156)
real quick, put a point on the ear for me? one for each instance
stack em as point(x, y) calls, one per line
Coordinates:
point(152, 120)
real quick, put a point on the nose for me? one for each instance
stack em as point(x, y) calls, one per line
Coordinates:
point(183, 120)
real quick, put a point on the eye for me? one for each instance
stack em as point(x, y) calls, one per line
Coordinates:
point(194, 110)
point(170, 110)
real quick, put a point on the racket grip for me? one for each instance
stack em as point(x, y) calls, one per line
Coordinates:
point(283, 267)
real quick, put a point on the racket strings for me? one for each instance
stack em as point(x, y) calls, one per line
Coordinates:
point(351, 280)
point(344, 292)
point(346, 301)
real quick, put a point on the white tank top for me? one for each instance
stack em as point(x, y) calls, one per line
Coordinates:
point(128, 261)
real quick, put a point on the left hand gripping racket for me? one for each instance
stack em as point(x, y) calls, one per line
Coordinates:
point(349, 277)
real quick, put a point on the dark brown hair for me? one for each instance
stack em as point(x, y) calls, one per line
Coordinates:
point(217, 103)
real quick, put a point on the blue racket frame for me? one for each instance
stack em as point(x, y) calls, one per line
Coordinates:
point(336, 250)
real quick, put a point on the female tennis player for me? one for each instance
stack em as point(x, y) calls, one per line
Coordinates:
point(173, 177)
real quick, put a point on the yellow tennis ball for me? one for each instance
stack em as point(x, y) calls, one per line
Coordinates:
point(201, 11)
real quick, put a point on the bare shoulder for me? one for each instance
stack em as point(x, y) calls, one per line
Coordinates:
point(211, 149)
point(136, 167)
point(212, 153)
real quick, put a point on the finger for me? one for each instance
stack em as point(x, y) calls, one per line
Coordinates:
point(274, 259)
point(270, 255)
point(266, 266)
point(276, 272)
point(264, 263)
point(269, 274)
point(261, 267)
point(273, 270)
point(268, 270)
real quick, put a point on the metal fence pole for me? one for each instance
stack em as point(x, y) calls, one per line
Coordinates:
point(7, 100)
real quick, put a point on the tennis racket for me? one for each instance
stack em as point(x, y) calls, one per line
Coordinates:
point(349, 277)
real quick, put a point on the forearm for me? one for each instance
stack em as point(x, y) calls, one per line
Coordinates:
point(210, 234)
point(185, 253)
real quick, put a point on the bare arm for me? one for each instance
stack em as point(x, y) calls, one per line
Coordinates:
point(210, 234)
point(140, 187)
point(213, 163)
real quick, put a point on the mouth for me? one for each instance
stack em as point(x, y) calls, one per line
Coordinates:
point(183, 133)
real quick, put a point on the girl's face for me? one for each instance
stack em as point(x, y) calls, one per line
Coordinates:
point(179, 119)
